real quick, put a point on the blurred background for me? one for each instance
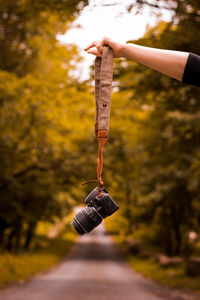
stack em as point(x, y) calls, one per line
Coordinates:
point(47, 142)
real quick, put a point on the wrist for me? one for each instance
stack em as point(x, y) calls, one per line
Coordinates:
point(127, 50)
point(123, 50)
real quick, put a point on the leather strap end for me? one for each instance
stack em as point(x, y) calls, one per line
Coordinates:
point(102, 136)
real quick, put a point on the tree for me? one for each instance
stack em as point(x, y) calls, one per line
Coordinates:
point(155, 141)
point(38, 107)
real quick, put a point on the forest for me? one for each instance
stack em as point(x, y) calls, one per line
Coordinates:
point(47, 141)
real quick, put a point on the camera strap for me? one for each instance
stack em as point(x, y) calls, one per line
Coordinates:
point(103, 86)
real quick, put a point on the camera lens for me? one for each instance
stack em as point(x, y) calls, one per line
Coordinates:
point(86, 220)
point(77, 227)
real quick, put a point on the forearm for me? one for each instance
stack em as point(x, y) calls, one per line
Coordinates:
point(169, 62)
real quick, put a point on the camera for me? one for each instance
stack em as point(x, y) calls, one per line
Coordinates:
point(97, 209)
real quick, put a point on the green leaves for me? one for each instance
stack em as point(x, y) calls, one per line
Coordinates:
point(155, 145)
point(41, 121)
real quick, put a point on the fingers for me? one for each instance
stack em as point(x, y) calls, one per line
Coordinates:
point(94, 52)
point(93, 44)
point(117, 47)
point(98, 51)
point(99, 46)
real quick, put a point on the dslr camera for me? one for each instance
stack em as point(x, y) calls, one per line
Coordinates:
point(97, 209)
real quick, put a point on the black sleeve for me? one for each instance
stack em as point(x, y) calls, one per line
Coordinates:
point(191, 73)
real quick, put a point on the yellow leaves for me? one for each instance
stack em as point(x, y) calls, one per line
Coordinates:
point(156, 30)
point(181, 116)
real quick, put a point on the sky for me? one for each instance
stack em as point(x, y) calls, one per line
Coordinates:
point(107, 18)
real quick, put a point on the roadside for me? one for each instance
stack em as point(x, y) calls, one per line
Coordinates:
point(50, 251)
point(172, 276)
point(94, 269)
point(47, 250)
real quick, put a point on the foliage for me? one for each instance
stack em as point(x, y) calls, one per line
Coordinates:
point(171, 276)
point(47, 144)
point(154, 144)
point(18, 267)
point(40, 138)
point(174, 276)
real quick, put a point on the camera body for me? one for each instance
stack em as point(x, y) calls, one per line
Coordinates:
point(97, 209)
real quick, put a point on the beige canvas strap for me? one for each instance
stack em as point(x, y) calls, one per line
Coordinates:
point(103, 87)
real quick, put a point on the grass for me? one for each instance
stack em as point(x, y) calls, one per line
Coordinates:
point(46, 253)
point(174, 277)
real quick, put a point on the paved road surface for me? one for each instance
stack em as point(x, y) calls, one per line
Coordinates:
point(93, 270)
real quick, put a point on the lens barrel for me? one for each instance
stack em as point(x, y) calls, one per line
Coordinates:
point(86, 220)
point(78, 226)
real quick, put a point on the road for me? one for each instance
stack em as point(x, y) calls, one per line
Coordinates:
point(93, 270)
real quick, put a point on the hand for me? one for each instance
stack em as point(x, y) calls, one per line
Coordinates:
point(117, 47)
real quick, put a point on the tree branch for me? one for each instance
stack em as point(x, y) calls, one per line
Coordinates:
point(20, 174)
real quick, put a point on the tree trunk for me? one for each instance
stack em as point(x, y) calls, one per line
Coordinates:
point(3, 226)
point(178, 240)
point(9, 245)
point(18, 234)
point(1, 238)
point(29, 234)
point(168, 234)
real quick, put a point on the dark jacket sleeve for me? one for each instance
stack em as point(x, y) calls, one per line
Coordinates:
point(191, 73)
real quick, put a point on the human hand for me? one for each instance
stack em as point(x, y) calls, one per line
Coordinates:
point(116, 47)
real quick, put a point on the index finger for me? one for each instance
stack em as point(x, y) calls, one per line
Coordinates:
point(93, 44)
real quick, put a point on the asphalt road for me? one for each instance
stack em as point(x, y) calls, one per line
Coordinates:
point(94, 270)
